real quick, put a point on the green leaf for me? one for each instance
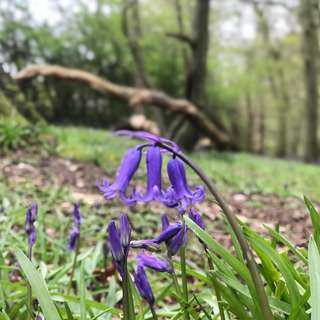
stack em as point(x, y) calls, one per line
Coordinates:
point(68, 311)
point(38, 286)
point(314, 263)
point(283, 266)
point(315, 218)
point(83, 311)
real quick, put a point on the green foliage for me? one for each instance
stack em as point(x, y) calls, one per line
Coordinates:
point(314, 262)
point(18, 134)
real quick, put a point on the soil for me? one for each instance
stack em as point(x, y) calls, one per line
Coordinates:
point(80, 178)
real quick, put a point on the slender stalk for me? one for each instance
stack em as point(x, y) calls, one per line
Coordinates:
point(184, 281)
point(130, 297)
point(215, 287)
point(247, 253)
point(29, 289)
point(175, 279)
point(125, 292)
point(153, 312)
point(74, 265)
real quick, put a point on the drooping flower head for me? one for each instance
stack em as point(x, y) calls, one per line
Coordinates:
point(115, 246)
point(179, 193)
point(31, 217)
point(127, 169)
point(174, 235)
point(125, 232)
point(119, 241)
point(143, 285)
point(152, 262)
point(75, 231)
point(154, 166)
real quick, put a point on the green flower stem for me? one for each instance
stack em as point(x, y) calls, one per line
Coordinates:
point(215, 287)
point(153, 312)
point(125, 292)
point(175, 279)
point(29, 289)
point(247, 252)
point(184, 281)
point(127, 303)
point(74, 265)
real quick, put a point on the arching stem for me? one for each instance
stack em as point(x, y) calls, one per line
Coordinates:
point(247, 253)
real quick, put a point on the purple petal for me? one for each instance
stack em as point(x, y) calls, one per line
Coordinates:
point(179, 240)
point(179, 193)
point(143, 285)
point(125, 231)
point(127, 169)
point(168, 233)
point(164, 222)
point(74, 234)
point(154, 165)
point(115, 242)
point(196, 218)
point(154, 263)
point(76, 214)
point(31, 217)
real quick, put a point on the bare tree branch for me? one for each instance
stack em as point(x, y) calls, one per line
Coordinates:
point(181, 37)
point(134, 96)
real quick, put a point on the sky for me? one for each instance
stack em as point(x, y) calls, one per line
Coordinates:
point(241, 26)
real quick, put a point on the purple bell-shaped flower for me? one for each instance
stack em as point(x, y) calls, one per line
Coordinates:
point(127, 169)
point(179, 193)
point(143, 285)
point(154, 165)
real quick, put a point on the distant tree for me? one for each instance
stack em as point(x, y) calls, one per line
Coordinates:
point(310, 53)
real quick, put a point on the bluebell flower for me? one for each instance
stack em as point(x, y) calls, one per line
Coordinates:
point(143, 285)
point(75, 231)
point(179, 240)
point(125, 232)
point(153, 263)
point(174, 235)
point(127, 169)
point(196, 218)
point(31, 217)
point(116, 248)
point(179, 193)
point(154, 166)
point(168, 233)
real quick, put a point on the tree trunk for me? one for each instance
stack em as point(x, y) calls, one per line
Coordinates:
point(131, 25)
point(250, 123)
point(187, 135)
point(310, 50)
point(262, 125)
point(276, 78)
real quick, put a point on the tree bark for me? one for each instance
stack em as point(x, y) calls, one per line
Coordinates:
point(187, 136)
point(276, 78)
point(131, 25)
point(134, 96)
point(310, 50)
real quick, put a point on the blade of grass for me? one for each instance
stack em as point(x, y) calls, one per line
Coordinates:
point(38, 286)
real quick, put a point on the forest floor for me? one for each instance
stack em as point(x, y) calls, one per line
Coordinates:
point(261, 191)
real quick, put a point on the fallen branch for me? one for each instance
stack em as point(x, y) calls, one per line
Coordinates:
point(134, 96)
